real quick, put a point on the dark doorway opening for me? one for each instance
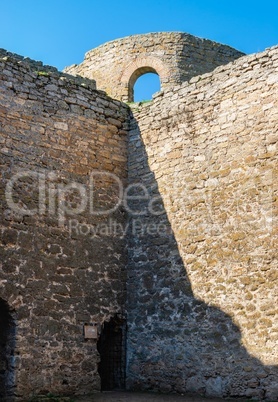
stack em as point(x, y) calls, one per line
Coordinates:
point(112, 349)
point(7, 345)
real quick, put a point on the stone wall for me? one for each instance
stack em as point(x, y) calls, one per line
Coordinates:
point(199, 220)
point(204, 270)
point(58, 270)
point(174, 56)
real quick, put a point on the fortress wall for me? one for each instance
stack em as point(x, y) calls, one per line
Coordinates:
point(201, 261)
point(55, 274)
point(205, 316)
point(175, 56)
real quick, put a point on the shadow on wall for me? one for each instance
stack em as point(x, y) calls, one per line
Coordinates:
point(175, 342)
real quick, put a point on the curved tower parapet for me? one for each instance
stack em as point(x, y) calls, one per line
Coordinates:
point(174, 56)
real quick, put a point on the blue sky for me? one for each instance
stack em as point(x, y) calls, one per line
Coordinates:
point(59, 32)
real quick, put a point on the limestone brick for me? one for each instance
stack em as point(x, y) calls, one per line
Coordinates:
point(210, 305)
point(191, 260)
point(174, 56)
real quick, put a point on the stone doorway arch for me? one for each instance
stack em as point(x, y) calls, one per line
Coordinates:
point(112, 350)
point(7, 347)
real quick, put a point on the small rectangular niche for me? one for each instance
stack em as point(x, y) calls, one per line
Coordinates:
point(90, 331)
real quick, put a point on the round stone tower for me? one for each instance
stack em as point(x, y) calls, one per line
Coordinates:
point(174, 56)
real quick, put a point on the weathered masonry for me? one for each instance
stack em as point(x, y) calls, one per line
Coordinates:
point(174, 56)
point(57, 133)
point(139, 244)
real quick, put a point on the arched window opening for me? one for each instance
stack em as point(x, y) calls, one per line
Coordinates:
point(143, 83)
point(7, 346)
point(146, 86)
